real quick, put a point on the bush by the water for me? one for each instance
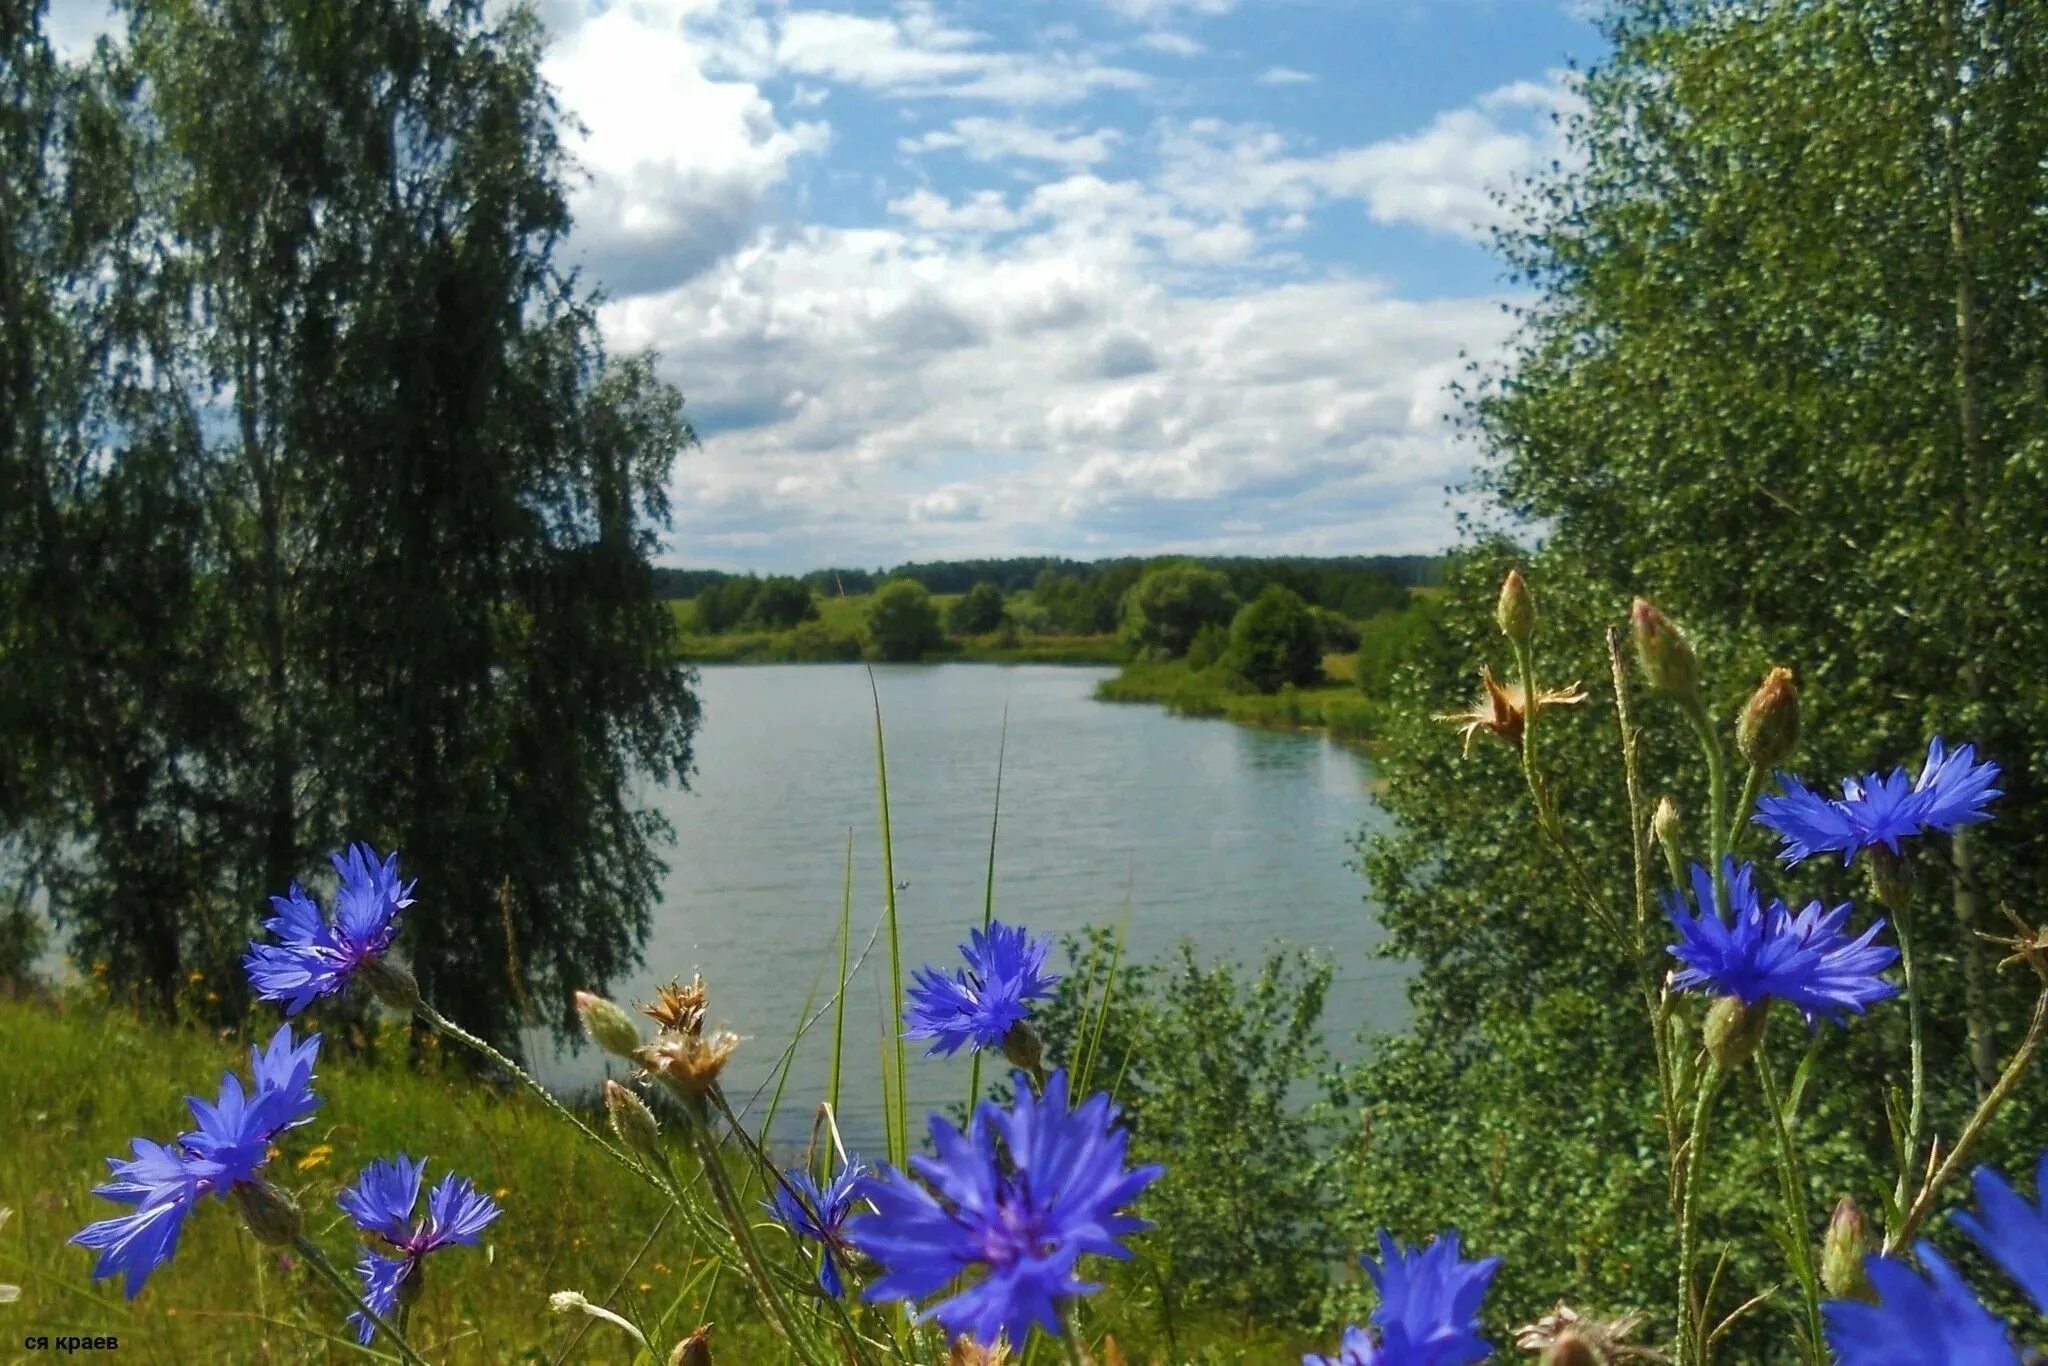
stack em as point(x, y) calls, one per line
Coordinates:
point(1275, 641)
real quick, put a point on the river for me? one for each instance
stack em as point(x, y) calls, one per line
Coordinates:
point(1234, 837)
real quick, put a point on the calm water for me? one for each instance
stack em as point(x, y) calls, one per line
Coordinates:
point(1235, 837)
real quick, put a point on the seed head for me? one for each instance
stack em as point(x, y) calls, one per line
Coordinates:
point(967, 1352)
point(1664, 652)
point(1568, 1338)
point(688, 1064)
point(678, 1009)
point(1768, 730)
point(608, 1025)
point(694, 1350)
point(1502, 709)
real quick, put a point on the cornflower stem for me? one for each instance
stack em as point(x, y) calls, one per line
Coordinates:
point(1751, 785)
point(743, 1235)
point(317, 1259)
point(1717, 794)
point(441, 1024)
point(1070, 1313)
point(1966, 1141)
point(1902, 921)
point(1692, 1315)
point(1792, 1181)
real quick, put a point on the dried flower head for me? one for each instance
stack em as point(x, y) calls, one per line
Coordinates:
point(1503, 708)
point(966, 1352)
point(688, 1064)
point(1607, 1339)
point(694, 1350)
point(678, 1009)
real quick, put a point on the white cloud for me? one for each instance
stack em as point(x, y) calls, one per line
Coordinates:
point(1172, 44)
point(1284, 75)
point(1149, 11)
point(918, 54)
point(991, 139)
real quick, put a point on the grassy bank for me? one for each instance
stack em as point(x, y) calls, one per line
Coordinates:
point(835, 637)
point(1335, 706)
point(82, 1081)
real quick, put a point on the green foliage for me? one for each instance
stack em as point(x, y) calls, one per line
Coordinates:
point(781, 604)
point(1209, 645)
point(1164, 609)
point(1275, 642)
point(1393, 639)
point(1339, 633)
point(724, 605)
point(902, 622)
point(979, 612)
point(395, 585)
point(1212, 1070)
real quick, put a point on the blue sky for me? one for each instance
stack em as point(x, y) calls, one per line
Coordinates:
point(1088, 277)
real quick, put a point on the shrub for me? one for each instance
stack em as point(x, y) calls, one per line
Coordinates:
point(903, 623)
point(723, 606)
point(1208, 646)
point(1339, 632)
point(782, 603)
point(979, 612)
point(1165, 608)
point(1274, 641)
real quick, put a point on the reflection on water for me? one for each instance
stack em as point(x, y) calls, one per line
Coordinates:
point(1231, 836)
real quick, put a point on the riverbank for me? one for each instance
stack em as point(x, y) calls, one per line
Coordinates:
point(1336, 707)
point(836, 638)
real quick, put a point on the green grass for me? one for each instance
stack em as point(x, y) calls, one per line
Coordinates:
point(1335, 706)
point(81, 1080)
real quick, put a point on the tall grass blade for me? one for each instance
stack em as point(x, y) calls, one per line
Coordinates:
point(988, 893)
point(1084, 1065)
point(845, 942)
point(899, 1127)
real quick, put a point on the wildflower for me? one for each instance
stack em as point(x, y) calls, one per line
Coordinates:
point(678, 1009)
point(1027, 1212)
point(1875, 810)
point(381, 1203)
point(317, 958)
point(1428, 1314)
point(979, 1007)
point(1938, 1319)
point(820, 1215)
point(163, 1182)
point(1564, 1331)
point(1767, 951)
point(1503, 709)
point(688, 1064)
point(1843, 1249)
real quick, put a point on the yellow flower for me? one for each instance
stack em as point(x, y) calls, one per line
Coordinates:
point(319, 1154)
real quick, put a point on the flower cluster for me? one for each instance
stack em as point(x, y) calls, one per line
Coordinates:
point(1938, 1319)
point(163, 1182)
point(978, 1007)
point(1428, 1311)
point(1881, 810)
point(1766, 951)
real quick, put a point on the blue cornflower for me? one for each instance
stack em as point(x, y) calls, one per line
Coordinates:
point(1806, 959)
point(316, 958)
point(381, 1203)
point(1938, 1319)
point(1428, 1314)
point(164, 1182)
point(820, 1215)
point(979, 1007)
point(1027, 1212)
point(1882, 809)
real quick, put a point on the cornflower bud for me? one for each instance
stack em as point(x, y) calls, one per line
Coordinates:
point(1768, 730)
point(607, 1024)
point(1516, 611)
point(1734, 1030)
point(1842, 1250)
point(390, 984)
point(272, 1214)
point(1665, 824)
point(1023, 1047)
point(632, 1121)
point(694, 1350)
point(1666, 655)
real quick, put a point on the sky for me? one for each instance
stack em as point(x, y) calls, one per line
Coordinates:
point(942, 279)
